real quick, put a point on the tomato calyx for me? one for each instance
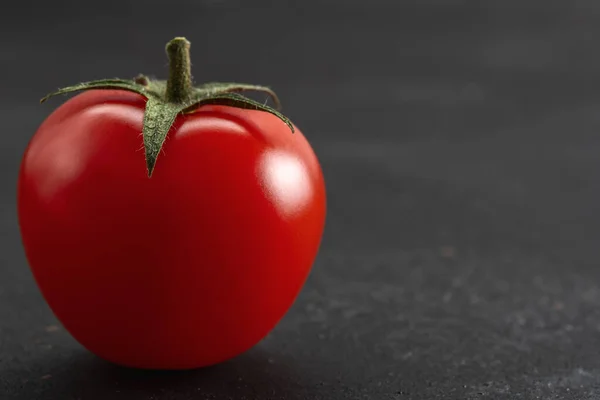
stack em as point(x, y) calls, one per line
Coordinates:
point(167, 99)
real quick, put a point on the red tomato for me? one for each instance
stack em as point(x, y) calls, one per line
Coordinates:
point(184, 269)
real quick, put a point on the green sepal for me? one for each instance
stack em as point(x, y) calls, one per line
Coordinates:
point(158, 119)
point(228, 87)
point(121, 84)
point(235, 100)
point(160, 114)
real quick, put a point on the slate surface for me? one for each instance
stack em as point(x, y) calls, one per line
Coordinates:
point(460, 145)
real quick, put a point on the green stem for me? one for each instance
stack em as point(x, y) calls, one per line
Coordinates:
point(179, 84)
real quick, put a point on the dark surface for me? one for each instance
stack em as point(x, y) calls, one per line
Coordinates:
point(460, 143)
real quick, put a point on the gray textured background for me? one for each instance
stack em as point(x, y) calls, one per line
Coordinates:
point(459, 140)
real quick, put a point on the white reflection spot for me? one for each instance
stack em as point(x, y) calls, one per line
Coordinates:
point(62, 163)
point(286, 181)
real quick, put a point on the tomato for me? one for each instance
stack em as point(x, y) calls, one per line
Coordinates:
point(188, 268)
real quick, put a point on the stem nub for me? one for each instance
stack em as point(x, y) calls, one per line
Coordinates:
point(179, 84)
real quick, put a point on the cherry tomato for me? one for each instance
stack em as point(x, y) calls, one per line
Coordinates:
point(188, 268)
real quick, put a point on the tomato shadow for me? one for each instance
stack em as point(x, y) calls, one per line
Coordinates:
point(251, 375)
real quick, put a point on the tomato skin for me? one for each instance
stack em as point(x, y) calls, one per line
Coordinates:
point(188, 268)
